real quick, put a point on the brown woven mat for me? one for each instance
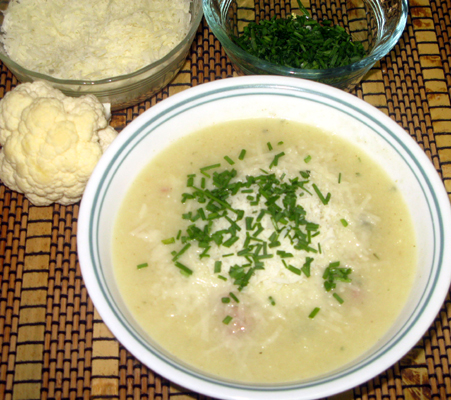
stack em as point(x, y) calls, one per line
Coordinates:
point(54, 345)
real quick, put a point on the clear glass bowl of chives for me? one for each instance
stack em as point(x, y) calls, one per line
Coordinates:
point(335, 42)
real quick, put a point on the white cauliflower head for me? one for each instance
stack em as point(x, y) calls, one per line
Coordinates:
point(51, 142)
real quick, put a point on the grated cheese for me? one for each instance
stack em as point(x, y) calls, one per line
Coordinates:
point(92, 40)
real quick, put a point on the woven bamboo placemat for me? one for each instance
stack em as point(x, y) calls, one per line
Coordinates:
point(54, 345)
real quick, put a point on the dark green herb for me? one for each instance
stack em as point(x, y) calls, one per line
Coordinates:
point(314, 312)
point(338, 298)
point(334, 273)
point(300, 42)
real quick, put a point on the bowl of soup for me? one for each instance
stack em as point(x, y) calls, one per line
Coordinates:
point(265, 237)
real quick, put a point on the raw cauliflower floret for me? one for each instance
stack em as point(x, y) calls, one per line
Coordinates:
point(51, 142)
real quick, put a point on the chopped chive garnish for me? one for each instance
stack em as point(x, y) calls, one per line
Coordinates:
point(207, 168)
point(299, 41)
point(143, 265)
point(295, 270)
point(338, 298)
point(275, 162)
point(306, 267)
point(314, 312)
point(229, 160)
point(344, 222)
point(190, 180)
point(324, 200)
point(271, 220)
point(227, 320)
point(334, 273)
point(272, 301)
point(307, 159)
point(234, 297)
point(218, 265)
point(182, 251)
point(183, 268)
point(339, 177)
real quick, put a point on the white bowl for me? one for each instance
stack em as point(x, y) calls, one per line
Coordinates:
point(269, 96)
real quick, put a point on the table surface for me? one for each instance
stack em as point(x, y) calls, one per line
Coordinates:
point(53, 343)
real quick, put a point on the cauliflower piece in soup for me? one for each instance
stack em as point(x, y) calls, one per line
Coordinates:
point(51, 142)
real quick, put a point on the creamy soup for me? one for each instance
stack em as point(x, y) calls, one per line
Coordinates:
point(264, 251)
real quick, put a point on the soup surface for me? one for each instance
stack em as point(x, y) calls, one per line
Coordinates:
point(264, 251)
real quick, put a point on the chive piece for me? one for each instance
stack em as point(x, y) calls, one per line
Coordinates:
point(190, 181)
point(229, 160)
point(269, 146)
point(324, 200)
point(168, 241)
point(314, 312)
point(344, 222)
point(207, 168)
point(183, 268)
point(234, 297)
point(306, 267)
point(242, 155)
point(222, 277)
point(339, 177)
point(275, 162)
point(307, 159)
point(272, 301)
point(289, 267)
point(143, 265)
point(225, 300)
point(182, 251)
point(249, 221)
point(338, 298)
point(218, 265)
point(227, 320)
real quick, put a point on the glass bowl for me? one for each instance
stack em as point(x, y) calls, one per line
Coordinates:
point(123, 90)
point(377, 24)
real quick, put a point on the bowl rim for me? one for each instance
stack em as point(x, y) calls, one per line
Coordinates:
point(195, 23)
point(366, 62)
point(207, 385)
